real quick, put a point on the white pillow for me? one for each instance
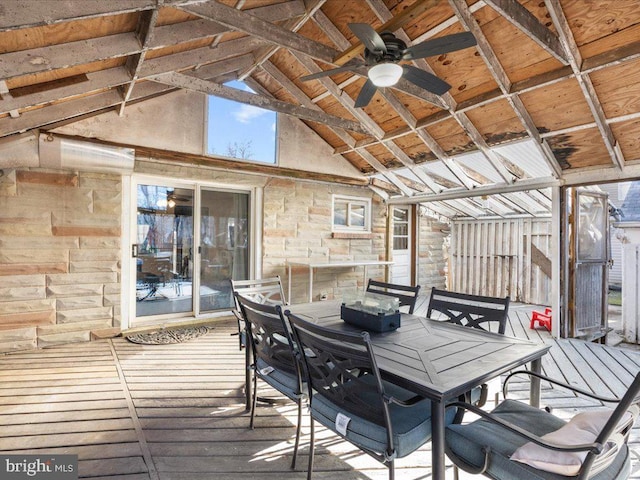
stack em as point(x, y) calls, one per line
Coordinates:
point(581, 429)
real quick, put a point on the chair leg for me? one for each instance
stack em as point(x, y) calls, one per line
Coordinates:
point(456, 473)
point(295, 448)
point(311, 448)
point(254, 400)
point(392, 470)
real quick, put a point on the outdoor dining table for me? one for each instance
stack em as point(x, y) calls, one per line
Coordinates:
point(438, 360)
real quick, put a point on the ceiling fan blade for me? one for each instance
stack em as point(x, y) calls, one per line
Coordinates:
point(326, 73)
point(366, 94)
point(368, 36)
point(438, 46)
point(425, 80)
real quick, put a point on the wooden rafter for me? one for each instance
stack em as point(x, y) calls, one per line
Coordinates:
point(198, 85)
point(575, 60)
point(267, 31)
point(144, 32)
point(496, 69)
point(523, 19)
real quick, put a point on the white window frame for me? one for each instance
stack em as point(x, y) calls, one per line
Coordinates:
point(351, 202)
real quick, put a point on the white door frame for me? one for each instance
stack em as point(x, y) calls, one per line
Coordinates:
point(409, 278)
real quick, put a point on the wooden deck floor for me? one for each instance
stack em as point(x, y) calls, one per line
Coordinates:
point(175, 412)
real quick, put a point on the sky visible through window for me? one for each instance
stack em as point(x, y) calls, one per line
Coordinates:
point(241, 131)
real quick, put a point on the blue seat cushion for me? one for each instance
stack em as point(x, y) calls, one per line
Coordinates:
point(411, 425)
point(467, 441)
point(282, 381)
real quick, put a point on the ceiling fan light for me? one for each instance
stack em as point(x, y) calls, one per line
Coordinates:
point(385, 74)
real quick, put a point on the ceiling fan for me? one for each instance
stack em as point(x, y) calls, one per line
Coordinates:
point(383, 53)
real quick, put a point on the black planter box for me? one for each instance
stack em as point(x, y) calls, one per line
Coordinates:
point(370, 321)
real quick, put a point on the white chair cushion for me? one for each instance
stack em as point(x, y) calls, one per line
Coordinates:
point(582, 428)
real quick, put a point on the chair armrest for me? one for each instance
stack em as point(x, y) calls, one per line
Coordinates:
point(588, 447)
point(403, 403)
point(555, 382)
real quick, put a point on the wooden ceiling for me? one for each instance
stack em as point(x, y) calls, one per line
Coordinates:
point(564, 74)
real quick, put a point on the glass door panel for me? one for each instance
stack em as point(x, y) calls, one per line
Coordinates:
point(224, 246)
point(164, 250)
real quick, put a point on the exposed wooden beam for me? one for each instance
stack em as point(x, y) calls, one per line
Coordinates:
point(347, 102)
point(590, 94)
point(144, 32)
point(301, 97)
point(519, 186)
point(20, 14)
point(311, 6)
point(388, 174)
point(411, 165)
point(523, 19)
point(269, 32)
point(501, 77)
point(486, 51)
point(174, 34)
point(198, 85)
point(162, 156)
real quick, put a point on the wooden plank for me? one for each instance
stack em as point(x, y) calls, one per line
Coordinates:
point(75, 415)
point(541, 260)
point(66, 439)
point(193, 437)
point(94, 425)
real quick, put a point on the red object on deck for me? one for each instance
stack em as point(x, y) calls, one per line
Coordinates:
point(543, 319)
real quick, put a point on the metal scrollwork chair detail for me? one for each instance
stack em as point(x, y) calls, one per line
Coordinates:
point(348, 396)
point(406, 294)
point(475, 311)
point(267, 291)
point(519, 441)
point(274, 357)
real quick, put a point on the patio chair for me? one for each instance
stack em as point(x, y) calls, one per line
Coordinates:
point(519, 441)
point(348, 396)
point(267, 291)
point(274, 360)
point(406, 294)
point(476, 311)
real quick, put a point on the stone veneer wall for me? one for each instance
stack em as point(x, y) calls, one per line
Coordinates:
point(59, 257)
point(297, 226)
point(433, 256)
point(60, 246)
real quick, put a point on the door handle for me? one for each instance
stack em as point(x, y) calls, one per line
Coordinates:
point(134, 250)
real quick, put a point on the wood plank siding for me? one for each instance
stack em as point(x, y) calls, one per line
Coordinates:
point(176, 412)
point(501, 257)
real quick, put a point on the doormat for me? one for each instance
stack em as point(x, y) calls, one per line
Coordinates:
point(164, 337)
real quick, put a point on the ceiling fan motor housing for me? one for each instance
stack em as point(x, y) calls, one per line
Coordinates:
point(395, 50)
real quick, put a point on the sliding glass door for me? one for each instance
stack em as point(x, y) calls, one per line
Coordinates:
point(164, 250)
point(224, 246)
point(188, 239)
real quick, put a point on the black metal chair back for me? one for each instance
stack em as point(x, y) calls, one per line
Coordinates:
point(340, 367)
point(266, 291)
point(406, 294)
point(469, 310)
point(274, 357)
point(504, 431)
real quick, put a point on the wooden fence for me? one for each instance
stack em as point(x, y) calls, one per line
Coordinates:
point(501, 257)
